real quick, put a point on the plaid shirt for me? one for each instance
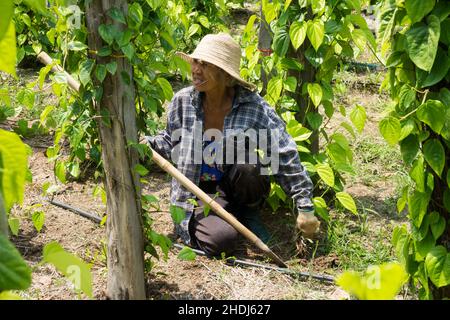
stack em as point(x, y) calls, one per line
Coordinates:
point(249, 111)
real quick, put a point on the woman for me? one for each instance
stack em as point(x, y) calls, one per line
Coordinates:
point(220, 102)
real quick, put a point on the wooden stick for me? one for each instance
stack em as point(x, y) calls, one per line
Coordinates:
point(188, 184)
point(46, 59)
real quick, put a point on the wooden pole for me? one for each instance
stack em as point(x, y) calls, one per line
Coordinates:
point(188, 184)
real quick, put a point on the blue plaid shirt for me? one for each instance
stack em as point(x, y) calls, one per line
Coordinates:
point(249, 111)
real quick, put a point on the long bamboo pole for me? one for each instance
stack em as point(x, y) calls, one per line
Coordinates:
point(188, 184)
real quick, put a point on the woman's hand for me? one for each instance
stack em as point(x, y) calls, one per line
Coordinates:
point(307, 223)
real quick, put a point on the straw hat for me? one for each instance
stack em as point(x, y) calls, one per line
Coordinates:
point(222, 51)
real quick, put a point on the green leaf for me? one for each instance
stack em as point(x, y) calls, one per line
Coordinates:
point(13, 168)
point(60, 171)
point(417, 9)
point(177, 214)
point(14, 225)
point(72, 267)
point(111, 67)
point(128, 50)
point(418, 204)
point(166, 88)
point(155, 4)
point(347, 201)
point(314, 120)
point(437, 264)
point(117, 14)
point(358, 117)
point(317, 6)
point(76, 46)
point(315, 33)
point(390, 129)
point(435, 155)
point(193, 29)
point(432, 113)
point(439, 70)
point(359, 38)
point(6, 13)
point(141, 170)
point(381, 282)
point(204, 21)
point(290, 84)
point(85, 71)
point(274, 88)
point(409, 148)
point(37, 5)
point(438, 228)
point(106, 33)
point(135, 15)
point(187, 254)
point(297, 33)
point(422, 42)
point(325, 173)
point(315, 93)
point(100, 72)
point(38, 218)
point(8, 50)
point(281, 42)
point(448, 178)
point(320, 207)
point(14, 271)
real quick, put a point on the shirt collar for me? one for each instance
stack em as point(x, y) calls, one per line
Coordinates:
point(242, 95)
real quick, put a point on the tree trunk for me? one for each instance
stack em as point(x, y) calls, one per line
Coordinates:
point(307, 75)
point(124, 225)
point(264, 46)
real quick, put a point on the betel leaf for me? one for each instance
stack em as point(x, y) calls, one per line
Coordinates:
point(13, 168)
point(381, 282)
point(438, 71)
point(14, 272)
point(418, 204)
point(434, 154)
point(325, 173)
point(422, 42)
point(448, 178)
point(6, 13)
point(347, 201)
point(315, 93)
point(358, 117)
point(281, 42)
point(72, 267)
point(409, 148)
point(431, 112)
point(417, 9)
point(417, 173)
point(166, 88)
point(38, 218)
point(8, 50)
point(187, 254)
point(177, 213)
point(437, 264)
point(315, 32)
point(117, 14)
point(297, 33)
point(438, 228)
point(274, 88)
point(390, 129)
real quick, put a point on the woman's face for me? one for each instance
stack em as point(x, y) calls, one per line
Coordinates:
point(206, 76)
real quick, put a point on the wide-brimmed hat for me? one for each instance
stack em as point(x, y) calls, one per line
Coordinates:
point(222, 51)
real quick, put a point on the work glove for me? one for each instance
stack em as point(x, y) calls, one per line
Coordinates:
point(307, 222)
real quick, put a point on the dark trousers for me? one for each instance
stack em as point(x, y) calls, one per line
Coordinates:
point(241, 189)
